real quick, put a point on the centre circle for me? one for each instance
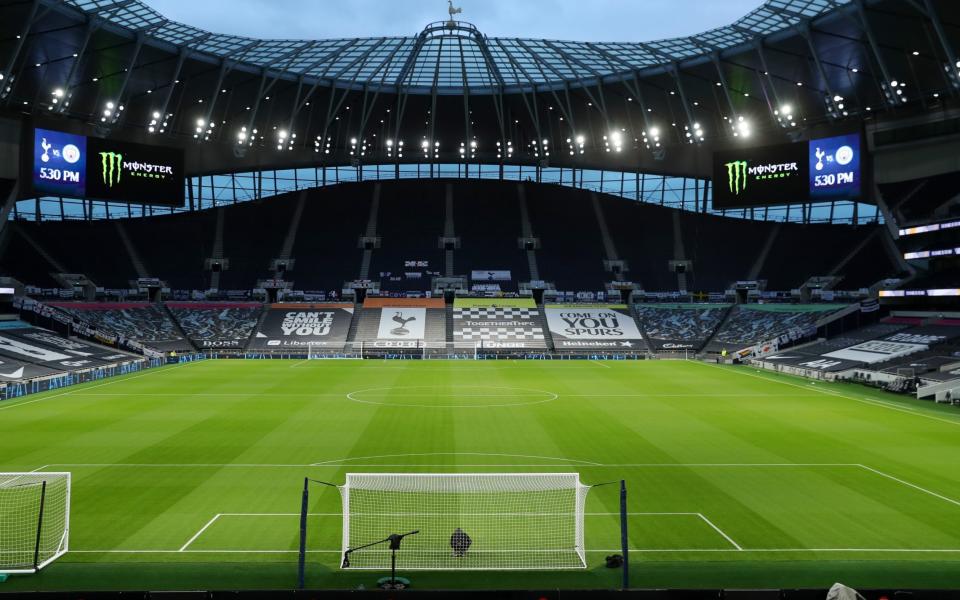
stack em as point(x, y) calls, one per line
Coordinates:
point(458, 396)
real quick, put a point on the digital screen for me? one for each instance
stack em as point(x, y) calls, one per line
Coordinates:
point(835, 167)
point(59, 163)
point(817, 170)
point(73, 165)
point(760, 176)
point(134, 173)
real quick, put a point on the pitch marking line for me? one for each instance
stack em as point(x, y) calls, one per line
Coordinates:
point(607, 551)
point(912, 485)
point(202, 529)
point(720, 531)
point(879, 403)
point(81, 389)
point(219, 515)
point(343, 460)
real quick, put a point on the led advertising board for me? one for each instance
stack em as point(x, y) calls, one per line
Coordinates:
point(65, 164)
point(817, 170)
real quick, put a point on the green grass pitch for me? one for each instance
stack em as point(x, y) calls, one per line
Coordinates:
point(189, 476)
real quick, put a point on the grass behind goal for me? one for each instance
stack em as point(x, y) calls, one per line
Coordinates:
point(190, 476)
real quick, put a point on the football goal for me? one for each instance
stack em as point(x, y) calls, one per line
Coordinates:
point(470, 521)
point(34, 520)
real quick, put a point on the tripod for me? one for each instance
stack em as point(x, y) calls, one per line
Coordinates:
point(391, 583)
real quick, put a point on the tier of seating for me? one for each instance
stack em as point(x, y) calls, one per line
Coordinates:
point(917, 200)
point(28, 352)
point(148, 324)
point(901, 347)
point(754, 323)
point(387, 324)
point(216, 325)
point(680, 326)
point(325, 241)
point(409, 224)
point(571, 250)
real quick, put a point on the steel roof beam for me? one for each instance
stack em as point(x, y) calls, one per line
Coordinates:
point(945, 44)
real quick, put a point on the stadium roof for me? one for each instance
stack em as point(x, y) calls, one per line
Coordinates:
point(451, 56)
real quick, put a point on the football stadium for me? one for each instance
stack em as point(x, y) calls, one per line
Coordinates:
point(462, 312)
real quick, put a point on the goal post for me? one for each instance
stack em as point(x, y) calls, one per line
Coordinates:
point(34, 520)
point(465, 521)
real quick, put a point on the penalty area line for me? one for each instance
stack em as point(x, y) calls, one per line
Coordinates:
point(720, 531)
point(197, 534)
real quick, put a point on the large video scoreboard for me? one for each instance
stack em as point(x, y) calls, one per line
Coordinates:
point(77, 166)
point(817, 170)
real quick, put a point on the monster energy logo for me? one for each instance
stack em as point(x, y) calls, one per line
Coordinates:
point(737, 176)
point(111, 162)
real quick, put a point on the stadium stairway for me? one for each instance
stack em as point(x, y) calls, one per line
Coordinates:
point(678, 252)
point(40, 250)
point(176, 325)
point(287, 249)
point(719, 327)
point(527, 231)
point(217, 249)
point(448, 313)
point(258, 327)
point(371, 232)
point(448, 229)
point(132, 253)
point(355, 322)
point(640, 326)
point(864, 243)
point(542, 323)
point(609, 249)
point(764, 253)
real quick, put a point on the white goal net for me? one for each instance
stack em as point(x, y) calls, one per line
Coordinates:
point(34, 520)
point(496, 521)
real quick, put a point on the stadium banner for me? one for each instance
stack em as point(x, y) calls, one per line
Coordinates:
point(399, 323)
point(297, 326)
point(13, 370)
point(404, 302)
point(495, 275)
point(494, 302)
point(596, 327)
point(80, 350)
point(876, 351)
point(508, 323)
point(39, 352)
point(812, 362)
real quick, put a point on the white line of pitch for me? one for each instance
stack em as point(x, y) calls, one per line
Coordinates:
point(912, 485)
point(596, 514)
point(339, 465)
point(649, 550)
point(197, 534)
point(720, 531)
point(879, 403)
point(600, 364)
point(115, 380)
point(486, 454)
point(342, 394)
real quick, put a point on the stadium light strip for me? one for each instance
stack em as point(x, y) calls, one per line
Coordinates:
point(932, 253)
point(930, 293)
point(929, 228)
